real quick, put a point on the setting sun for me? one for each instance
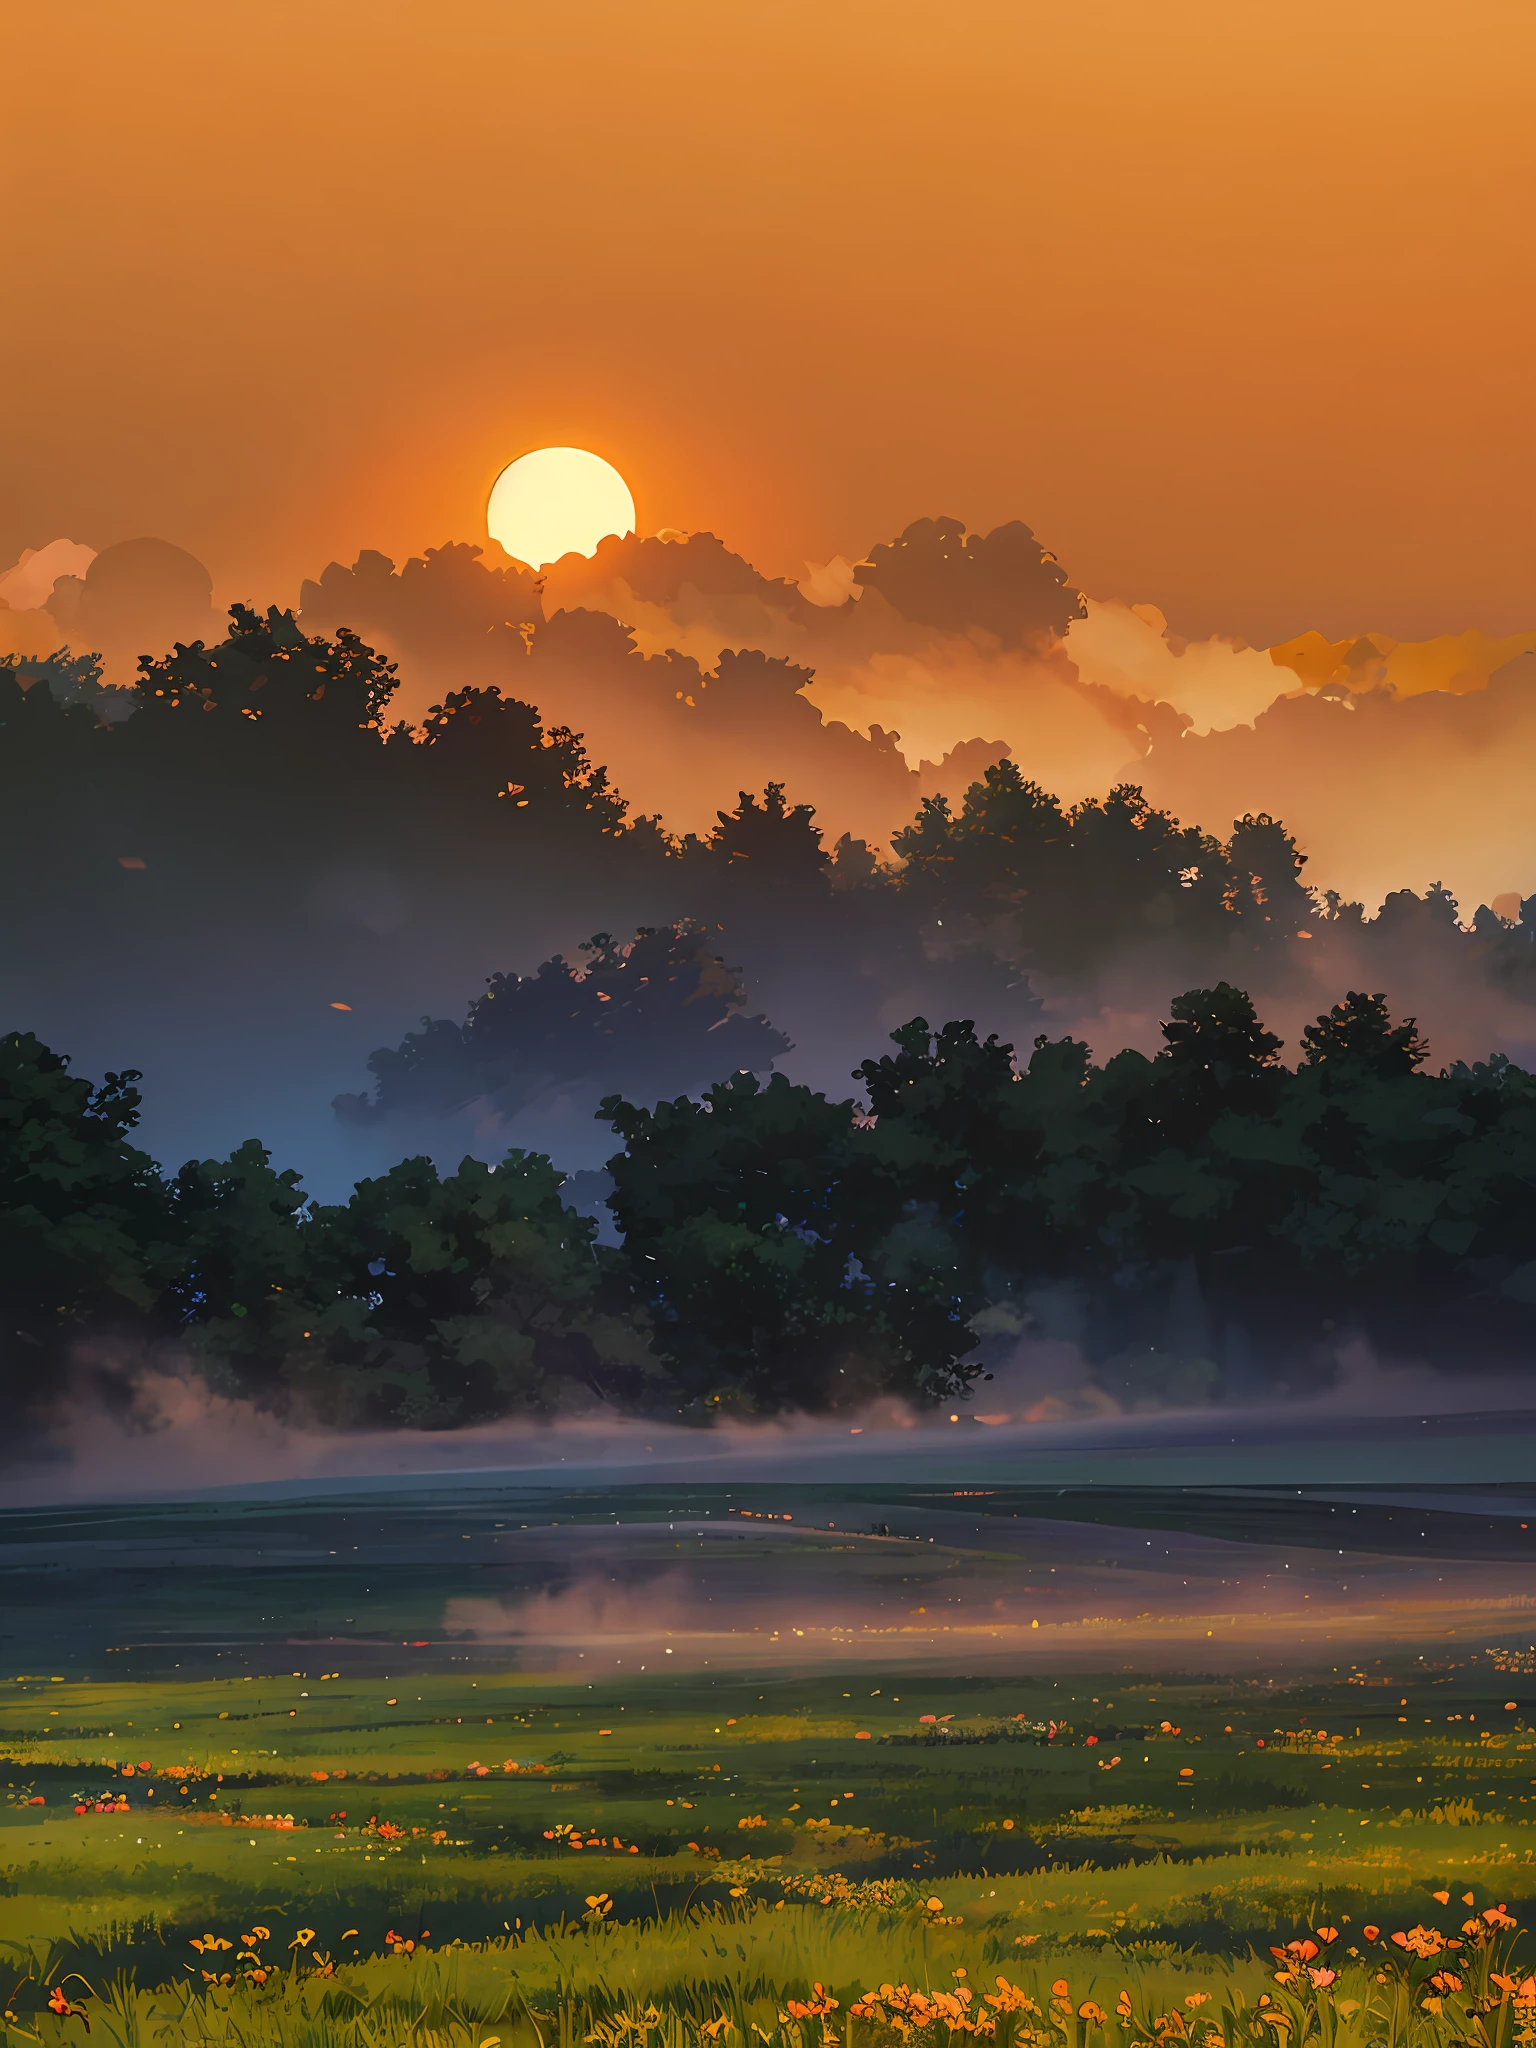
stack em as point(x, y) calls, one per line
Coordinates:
point(557, 501)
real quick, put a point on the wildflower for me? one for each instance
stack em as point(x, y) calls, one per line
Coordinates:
point(1095, 2015)
point(1321, 1979)
point(1421, 1941)
point(1194, 1998)
point(819, 2004)
point(1371, 1933)
point(1011, 1998)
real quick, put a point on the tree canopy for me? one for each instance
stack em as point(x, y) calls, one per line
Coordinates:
point(1198, 1218)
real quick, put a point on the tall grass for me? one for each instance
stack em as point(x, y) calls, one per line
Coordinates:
point(753, 1975)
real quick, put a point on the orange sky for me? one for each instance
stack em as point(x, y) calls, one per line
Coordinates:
point(1233, 302)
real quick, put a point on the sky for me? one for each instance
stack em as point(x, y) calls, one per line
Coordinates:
point(1232, 304)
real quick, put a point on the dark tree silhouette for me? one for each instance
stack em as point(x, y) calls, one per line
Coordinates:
point(1357, 1037)
point(1219, 1055)
point(1060, 891)
point(270, 674)
point(662, 1015)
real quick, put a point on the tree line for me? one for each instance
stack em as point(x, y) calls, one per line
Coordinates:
point(1204, 1222)
point(243, 780)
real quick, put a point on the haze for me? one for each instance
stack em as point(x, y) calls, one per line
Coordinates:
point(1231, 303)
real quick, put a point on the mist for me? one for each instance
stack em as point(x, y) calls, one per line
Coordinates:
point(690, 677)
point(440, 863)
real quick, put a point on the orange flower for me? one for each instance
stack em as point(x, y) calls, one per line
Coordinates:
point(1303, 1951)
point(1421, 1941)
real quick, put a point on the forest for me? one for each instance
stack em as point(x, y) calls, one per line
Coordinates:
point(1203, 1222)
point(1203, 1219)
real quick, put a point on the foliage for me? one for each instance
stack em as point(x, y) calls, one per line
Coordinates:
point(82, 1213)
point(1058, 890)
point(1207, 1198)
point(484, 1294)
point(658, 1016)
point(781, 1248)
point(773, 1264)
point(270, 674)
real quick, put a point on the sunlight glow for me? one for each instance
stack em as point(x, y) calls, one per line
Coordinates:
point(557, 501)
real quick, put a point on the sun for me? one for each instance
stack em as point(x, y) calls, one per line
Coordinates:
point(557, 501)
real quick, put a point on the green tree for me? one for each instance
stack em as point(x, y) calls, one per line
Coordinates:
point(245, 1290)
point(483, 1294)
point(85, 1230)
point(769, 1254)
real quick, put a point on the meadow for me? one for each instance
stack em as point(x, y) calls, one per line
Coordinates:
point(223, 1831)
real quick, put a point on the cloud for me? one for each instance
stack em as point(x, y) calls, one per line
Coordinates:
point(27, 586)
point(1217, 682)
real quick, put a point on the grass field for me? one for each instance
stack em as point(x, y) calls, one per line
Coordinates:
point(745, 1837)
point(427, 1841)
